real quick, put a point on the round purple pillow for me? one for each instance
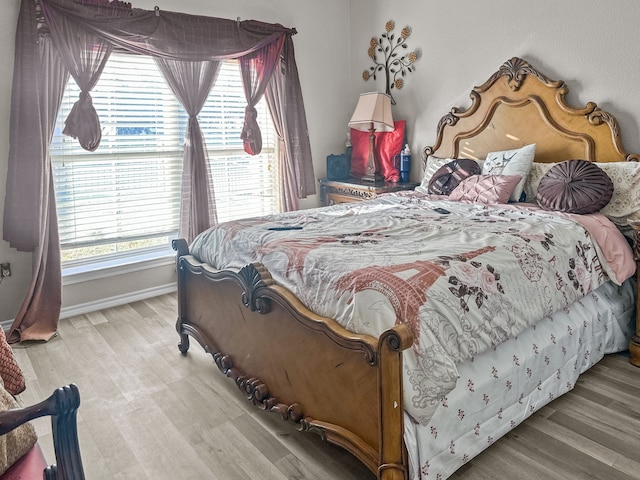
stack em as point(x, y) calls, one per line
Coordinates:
point(449, 176)
point(575, 186)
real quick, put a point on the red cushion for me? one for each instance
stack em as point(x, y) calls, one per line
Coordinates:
point(388, 144)
point(30, 466)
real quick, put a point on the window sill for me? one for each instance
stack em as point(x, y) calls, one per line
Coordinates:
point(116, 266)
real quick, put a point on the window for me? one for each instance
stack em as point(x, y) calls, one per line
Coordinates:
point(124, 198)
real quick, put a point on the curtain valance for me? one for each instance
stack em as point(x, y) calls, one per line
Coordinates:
point(85, 33)
point(165, 34)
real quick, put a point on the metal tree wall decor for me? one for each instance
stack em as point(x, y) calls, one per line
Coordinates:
point(389, 56)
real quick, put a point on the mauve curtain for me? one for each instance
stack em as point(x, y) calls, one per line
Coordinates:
point(30, 219)
point(287, 110)
point(85, 56)
point(191, 83)
point(170, 35)
point(257, 69)
point(179, 36)
point(30, 222)
point(288, 197)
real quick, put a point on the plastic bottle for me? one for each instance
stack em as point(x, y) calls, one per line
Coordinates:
point(348, 147)
point(405, 163)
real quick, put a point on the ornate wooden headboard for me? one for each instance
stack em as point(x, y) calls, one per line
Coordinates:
point(518, 106)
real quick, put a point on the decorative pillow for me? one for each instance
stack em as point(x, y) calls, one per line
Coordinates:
point(625, 202)
point(451, 174)
point(487, 189)
point(432, 166)
point(511, 162)
point(537, 171)
point(575, 186)
point(18, 441)
point(10, 372)
point(388, 144)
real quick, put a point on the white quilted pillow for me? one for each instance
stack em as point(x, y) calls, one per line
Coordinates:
point(511, 162)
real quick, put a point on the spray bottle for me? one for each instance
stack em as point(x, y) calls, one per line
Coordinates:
point(405, 163)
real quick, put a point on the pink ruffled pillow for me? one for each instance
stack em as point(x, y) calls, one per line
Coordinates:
point(486, 189)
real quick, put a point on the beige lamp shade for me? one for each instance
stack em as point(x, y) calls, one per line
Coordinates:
point(373, 108)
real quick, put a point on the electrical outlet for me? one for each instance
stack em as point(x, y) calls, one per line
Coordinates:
point(5, 270)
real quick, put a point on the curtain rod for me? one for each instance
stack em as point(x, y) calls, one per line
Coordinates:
point(156, 9)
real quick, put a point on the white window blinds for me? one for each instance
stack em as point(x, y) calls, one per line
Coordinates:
point(126, 195)
point(244, 185)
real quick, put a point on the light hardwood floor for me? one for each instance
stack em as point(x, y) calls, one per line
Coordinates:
point(147, 412)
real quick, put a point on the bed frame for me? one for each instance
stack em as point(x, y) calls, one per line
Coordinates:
point(348, 387)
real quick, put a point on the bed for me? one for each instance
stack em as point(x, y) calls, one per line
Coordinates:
point(351, 388)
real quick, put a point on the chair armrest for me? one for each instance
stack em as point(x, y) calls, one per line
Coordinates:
point(62, 406)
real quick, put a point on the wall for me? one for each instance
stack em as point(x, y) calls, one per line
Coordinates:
point(12, 289)
point(591, 45)
point(322, 50)
point(588, 43)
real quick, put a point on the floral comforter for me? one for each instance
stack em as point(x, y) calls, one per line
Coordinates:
point(464, 280)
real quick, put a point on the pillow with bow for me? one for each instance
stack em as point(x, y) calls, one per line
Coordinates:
point(433, 164)
point(449, 176)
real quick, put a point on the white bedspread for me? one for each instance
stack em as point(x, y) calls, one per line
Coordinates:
point(464, 282)
point(500, 388)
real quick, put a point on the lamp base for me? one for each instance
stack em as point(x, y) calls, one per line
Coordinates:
point(372, 177)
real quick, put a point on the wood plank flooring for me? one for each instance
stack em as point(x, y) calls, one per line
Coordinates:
point(147, 412)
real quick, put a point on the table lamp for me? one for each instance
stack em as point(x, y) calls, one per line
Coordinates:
point(372, 113)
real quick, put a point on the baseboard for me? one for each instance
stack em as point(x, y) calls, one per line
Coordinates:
point(88, 307)
point(117, 300)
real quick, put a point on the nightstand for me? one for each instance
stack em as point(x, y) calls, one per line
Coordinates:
point(333, 192)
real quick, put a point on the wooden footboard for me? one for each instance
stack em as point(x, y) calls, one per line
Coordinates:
point(634, 343)
point(285, 359)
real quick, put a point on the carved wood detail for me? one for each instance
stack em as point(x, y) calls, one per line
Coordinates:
point(255, 276)
point(516, 69)
point(554, 124)
point(180, 246)
point(635, 225)
point(355, 192)
point(260, 294)
point(256, 392)
point(333, 192)
point(634, 343)
point(397, 340)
